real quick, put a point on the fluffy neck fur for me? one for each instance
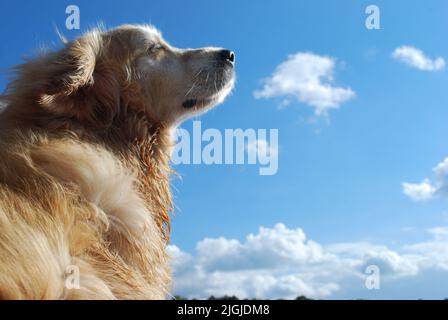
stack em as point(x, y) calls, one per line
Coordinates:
point(142, 144)
point(74, 119)
point(87, 90)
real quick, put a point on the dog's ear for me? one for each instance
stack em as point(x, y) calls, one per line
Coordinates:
point(79, 83)
point(69, 70)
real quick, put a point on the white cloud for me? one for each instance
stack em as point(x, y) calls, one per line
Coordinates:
point(363, 254)
point(416, 58)
point(419, 191)
point(428, 189)
point(308, 78)
point(275, 262)
point(391, 263)
point(439, 233)
point(432, 254)
point(280, 262)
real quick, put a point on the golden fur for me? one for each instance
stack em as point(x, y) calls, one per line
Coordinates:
point(84, 169)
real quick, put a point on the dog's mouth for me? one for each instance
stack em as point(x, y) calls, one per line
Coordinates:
point(215, 97)
point(190, 103)
point(198, 103)
point(210, 87)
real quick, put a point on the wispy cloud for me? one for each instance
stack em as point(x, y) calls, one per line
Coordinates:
point(439, 233)
point(428, 189)
point(416, 58)
point(280, 262)
point(308, 78)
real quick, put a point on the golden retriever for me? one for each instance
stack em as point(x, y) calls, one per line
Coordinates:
point(85, 140)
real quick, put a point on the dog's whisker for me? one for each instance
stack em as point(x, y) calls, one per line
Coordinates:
point(191, 89)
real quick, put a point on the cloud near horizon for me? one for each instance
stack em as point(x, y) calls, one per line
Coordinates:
point(416, 58)
point(279, 262)
point(308, 78)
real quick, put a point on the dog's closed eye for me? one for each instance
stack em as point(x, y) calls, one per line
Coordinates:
point(155, 49)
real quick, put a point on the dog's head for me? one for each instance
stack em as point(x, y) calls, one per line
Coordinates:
point(130, 67)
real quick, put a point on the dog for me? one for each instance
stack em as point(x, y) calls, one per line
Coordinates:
point(85, 140)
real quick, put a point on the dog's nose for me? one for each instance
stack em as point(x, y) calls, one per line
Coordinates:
point(227, 55)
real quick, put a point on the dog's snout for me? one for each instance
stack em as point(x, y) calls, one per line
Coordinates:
point(227, 55)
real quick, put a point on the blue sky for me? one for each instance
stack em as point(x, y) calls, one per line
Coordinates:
point(340, 175)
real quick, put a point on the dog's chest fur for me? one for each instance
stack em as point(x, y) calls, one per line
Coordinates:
point(80, 208)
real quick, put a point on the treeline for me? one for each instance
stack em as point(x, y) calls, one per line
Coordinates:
point(233, 298)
